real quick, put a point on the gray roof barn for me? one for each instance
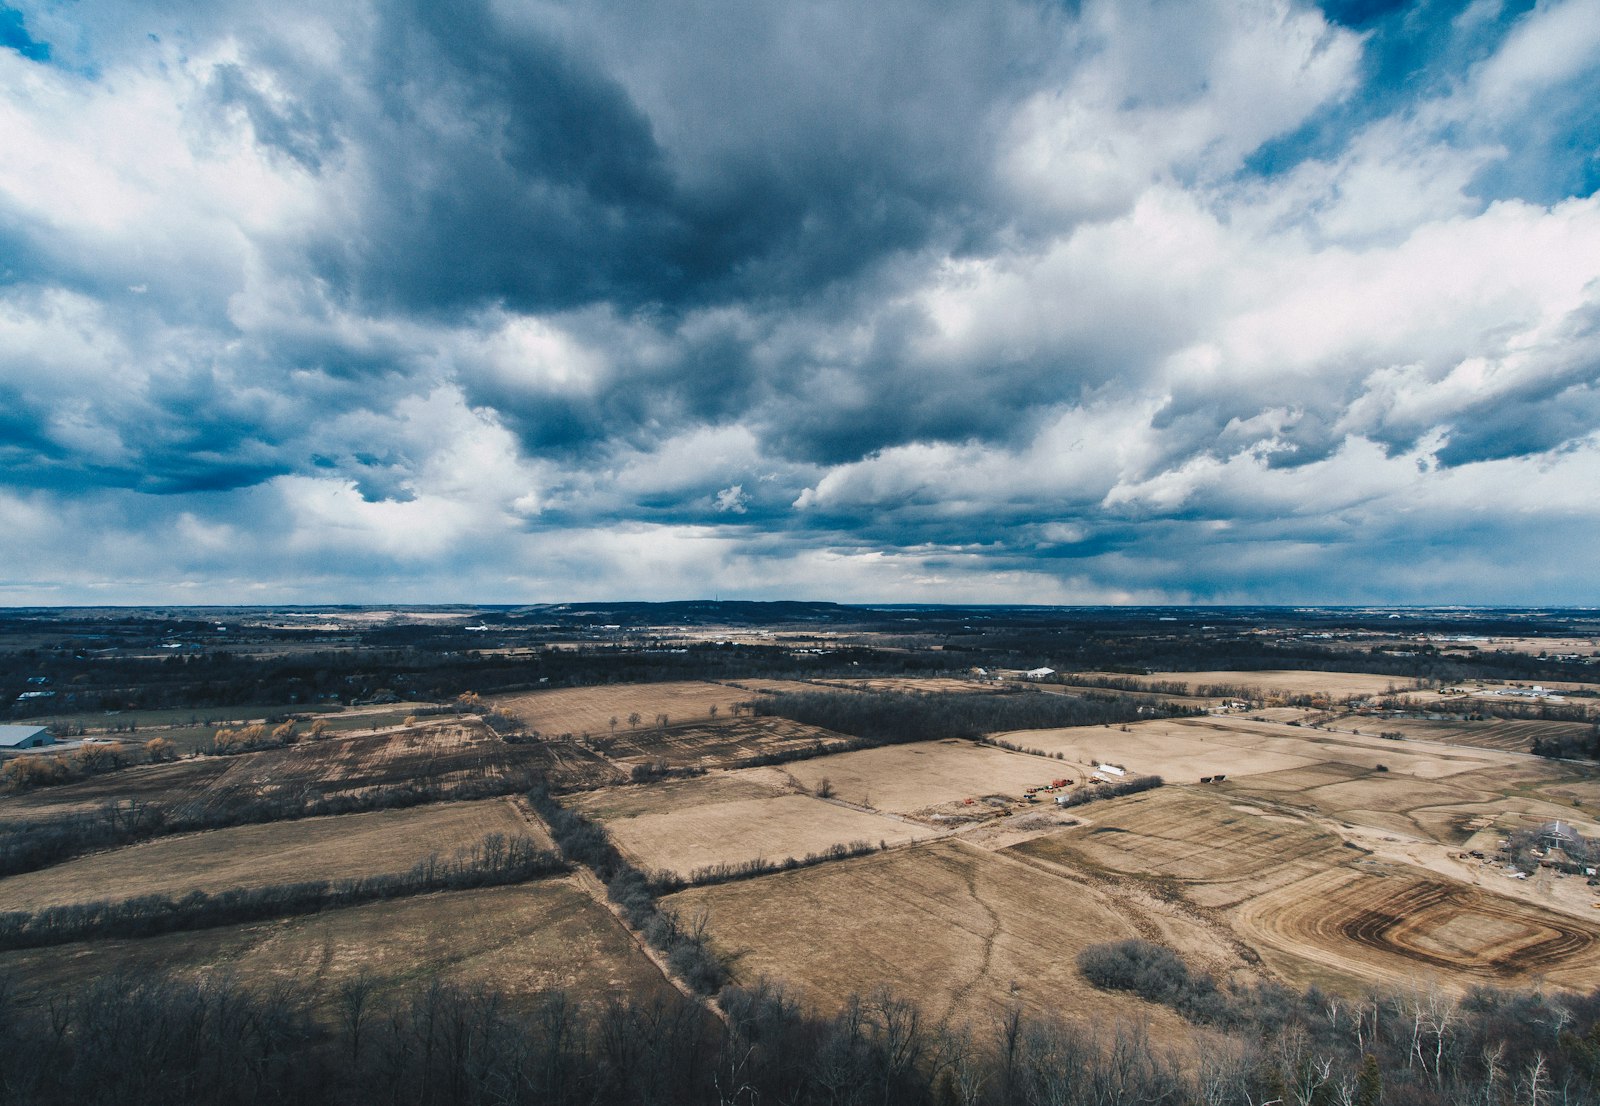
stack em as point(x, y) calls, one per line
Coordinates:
point(24, 737)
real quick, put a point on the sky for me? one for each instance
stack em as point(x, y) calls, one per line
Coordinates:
point(957, 301)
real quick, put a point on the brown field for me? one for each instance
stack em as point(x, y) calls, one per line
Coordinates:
point(589, 710)
point(1396, 926)
point(343, 847)
point(1508, 735)
point(715, 744)
point(443, 754)
point(682, 825)
point(962, 931)
point(1191, 836)
point(1184, 749)
point(1336, 685)
point(521, 940)
point(916, 779)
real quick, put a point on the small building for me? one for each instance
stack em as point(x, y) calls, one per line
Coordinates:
point(1039, 673)
point(24, 737)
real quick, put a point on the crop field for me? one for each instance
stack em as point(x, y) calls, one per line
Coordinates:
point(522, 940)
point(604, 710)
point(716, 744)
point(683, 825)
point(1186, 835)
point(1395, 926)
point(922, 779)
point(345, 847)
point(1508, 735)
point(962, 931)
point(1335, 685)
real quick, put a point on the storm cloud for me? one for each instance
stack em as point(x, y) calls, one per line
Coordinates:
point(1022, 301)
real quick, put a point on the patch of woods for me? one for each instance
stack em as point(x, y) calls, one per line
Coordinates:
point(30, 844)
point(894, 717)
point(147, 1039)
point(494, 861)
point(684, 946)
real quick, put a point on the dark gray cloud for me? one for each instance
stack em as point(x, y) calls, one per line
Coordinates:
point(1099, 301)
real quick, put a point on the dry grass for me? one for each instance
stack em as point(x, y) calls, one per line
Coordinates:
point(520, 940)
point(682, 826)
point(716, 744)
point(1509, 735)
point(1189, 836)
point(1394, 927)
point(916, 779)
point(1185, 749)
point(963, 932)
point(442, 754)
point(344, 847)
point(1335, 685)
point(589, 710)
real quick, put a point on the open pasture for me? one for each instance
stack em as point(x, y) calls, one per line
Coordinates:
point(591, 710)
point(344, 847)
point(681, 826)
point(1348, 927)
point(963, 932)
point(914, 779)
point(520, 940)
point(1333, 685)
point(716, 744)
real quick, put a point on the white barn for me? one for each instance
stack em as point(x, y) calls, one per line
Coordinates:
point(24, 737)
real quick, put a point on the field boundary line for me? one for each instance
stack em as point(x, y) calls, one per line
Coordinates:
point(597, 891)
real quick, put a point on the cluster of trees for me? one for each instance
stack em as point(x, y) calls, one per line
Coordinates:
point(1568, 747)
point(685, 947)
point(652, 771)
point(1129, 785)
point(889, 717)
point(495, 860)
point(140, 1040)
point(30, 770)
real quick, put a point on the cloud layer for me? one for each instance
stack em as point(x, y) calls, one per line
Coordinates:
point(514, 301)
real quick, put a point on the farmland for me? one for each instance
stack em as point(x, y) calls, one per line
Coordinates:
point(605, 710)
point(681, 826)
point(960, 930)
point(253, 856)
point(524, 941)
point(1321, 834)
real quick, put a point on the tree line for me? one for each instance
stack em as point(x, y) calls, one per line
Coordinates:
point(139, 1039)
point(893, 717)
point(494, 861)
point(583, 841)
